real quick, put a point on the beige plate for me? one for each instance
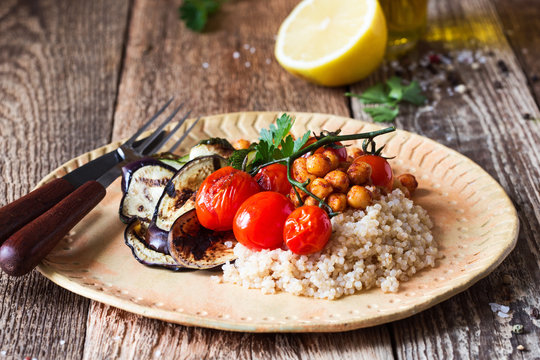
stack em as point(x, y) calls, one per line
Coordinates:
point(475, 224)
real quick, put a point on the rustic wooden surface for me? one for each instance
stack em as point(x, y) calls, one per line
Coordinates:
point(98, 69)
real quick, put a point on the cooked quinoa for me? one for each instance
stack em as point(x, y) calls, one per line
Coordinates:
point(378, 247)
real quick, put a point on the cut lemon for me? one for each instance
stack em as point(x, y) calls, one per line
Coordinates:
point(332, 42)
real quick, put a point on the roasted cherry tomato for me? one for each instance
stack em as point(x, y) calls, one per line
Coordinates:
point(307, 230)
point(340, 152)
point(259, 221)
point(381, 171)
point(220, 196)
point(274, 178)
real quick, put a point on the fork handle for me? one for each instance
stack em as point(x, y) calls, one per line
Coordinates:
point(15, 215)
point(28, 246)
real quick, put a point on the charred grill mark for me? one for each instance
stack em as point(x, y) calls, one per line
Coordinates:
point(153, 182)
point(181, 198)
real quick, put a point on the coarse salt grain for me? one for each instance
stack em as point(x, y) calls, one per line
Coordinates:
point(205, 65)
point(252, 50)
point(236, 55)
point(460, 89)
point(246, 46)
point(247, 64)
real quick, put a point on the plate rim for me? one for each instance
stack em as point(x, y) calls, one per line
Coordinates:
point(223, 324)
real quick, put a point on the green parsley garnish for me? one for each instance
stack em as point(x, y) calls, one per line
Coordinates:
point(388, 96)
point(195, 12)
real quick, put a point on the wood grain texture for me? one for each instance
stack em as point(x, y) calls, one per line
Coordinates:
point(486, 124)
point(164, 59)
point(519, 19)
point(59, 64)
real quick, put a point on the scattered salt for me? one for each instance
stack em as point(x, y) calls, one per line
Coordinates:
point(62, 342)
point(460, 89)
point(520, 347)
point(501, 310)
point(157, 353)
point(247, 64)
point(3, 352)
point(252, 50)
point(236, 55)
point(246, 46)
point(205, 65)
point(268, 61)
point(116, 338)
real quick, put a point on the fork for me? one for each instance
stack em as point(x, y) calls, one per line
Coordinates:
point(23, 250)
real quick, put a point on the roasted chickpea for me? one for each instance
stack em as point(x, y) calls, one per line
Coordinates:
point(409, 181)
point(318, 165)
point(294, 198)
point(359, 197)
point(299, 171)
point(359, 173)
point(339, 180)
point(241, 144)
point(320, 188)
point(354, 152)
point(337, 201)
point(310, 201)
point(332, 156)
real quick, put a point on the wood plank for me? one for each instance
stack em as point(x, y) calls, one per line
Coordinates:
point(164, 59)
point(519, 19)
point(58, 82)
point(486, 124)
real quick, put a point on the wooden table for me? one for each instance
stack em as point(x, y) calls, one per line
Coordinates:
point(75, 75)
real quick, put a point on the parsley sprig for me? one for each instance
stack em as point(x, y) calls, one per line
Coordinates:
point(195, 12)
point(389, 95)
point(276, 145)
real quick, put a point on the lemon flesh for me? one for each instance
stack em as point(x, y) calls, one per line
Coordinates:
point(332, 42)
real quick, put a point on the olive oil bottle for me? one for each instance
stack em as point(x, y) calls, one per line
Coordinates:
point(406, 22)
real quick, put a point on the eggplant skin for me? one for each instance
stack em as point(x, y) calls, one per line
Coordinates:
point(134, 239)
point(196, 247)
point(157, 239)
point(142, 189)
point(179, 193)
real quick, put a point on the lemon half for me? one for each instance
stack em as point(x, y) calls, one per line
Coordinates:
point(332, 42)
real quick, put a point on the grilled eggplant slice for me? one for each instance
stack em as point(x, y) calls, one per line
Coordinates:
point(196, 247)
point(212, 146)
point(134, 238)
point(178, 196)
point(143, 182)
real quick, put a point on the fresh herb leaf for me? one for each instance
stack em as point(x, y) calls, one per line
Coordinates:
point(382, 113)
point(298, 143)
point(413, 93)
point(236, 160)
point(373, 95)
point(389, 95)
point(195, 12)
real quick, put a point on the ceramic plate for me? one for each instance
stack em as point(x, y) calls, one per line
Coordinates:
point(476, 227)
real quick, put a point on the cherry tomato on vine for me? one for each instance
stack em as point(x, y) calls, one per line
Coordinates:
point(381, 171)
point(258, 223)
point(340, 152)
point(307, 230)
point(274, 178)
point(220, 196)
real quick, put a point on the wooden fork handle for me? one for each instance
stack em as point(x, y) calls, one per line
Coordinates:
point(20, 212)
point(27, 247)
